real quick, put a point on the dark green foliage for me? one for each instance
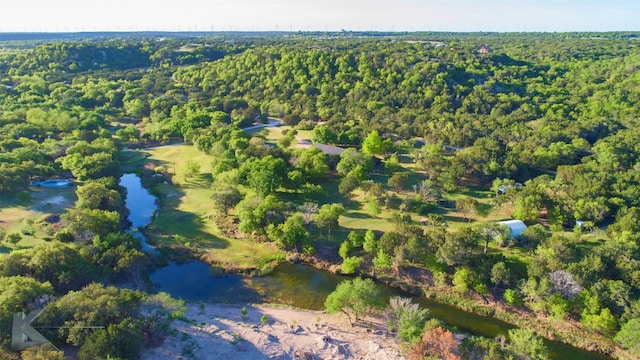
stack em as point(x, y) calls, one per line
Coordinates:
point(357, 298)
point(120, 341)
point(457, 246)
point(52, 262)
point(557, 112)
point(526, 344)
point(16, 292)
point(291, 234)
point(264, 175)
point(225, 198)
point(131, 319)
point(628, 336)
point(476, 347)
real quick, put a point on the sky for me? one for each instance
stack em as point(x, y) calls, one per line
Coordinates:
point(326, 15)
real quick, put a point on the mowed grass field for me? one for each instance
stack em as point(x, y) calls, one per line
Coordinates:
point(185, 217)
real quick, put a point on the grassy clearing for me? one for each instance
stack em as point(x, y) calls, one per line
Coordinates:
point(27, 218)
point(185, 217)
point(270, 134)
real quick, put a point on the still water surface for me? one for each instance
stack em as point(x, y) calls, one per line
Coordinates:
point(307, 287)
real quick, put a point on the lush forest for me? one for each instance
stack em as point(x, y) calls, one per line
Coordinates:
point(397, 155)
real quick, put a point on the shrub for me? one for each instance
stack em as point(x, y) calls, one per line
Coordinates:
point(512, 297)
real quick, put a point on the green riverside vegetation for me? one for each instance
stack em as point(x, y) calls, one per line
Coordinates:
point(389, 156)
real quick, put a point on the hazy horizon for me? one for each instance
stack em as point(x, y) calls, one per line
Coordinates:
point(329, 15)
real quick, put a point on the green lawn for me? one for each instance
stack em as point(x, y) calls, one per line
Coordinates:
point(27, 219)
point(185, 216)
point(270, 134)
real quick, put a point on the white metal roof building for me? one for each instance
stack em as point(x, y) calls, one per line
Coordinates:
point(516, 226)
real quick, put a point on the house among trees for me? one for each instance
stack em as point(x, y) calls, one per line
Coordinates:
point(329, 149)
point(484, 49)
point(516, 227)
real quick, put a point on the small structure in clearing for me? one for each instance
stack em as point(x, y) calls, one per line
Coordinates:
point(516, 227)
point(484, 49)
point(329, 149)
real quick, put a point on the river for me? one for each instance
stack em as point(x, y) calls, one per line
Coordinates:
point(297, 285)
point(141, 205)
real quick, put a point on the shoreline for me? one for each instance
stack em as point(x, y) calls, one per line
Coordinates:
point(220, 331)
point(486, 307)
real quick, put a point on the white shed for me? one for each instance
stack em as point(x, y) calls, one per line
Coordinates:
point(516, 226)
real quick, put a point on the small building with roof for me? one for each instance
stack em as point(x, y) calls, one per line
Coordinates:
point(484, 49)
point(516, 227)
point(329, 149)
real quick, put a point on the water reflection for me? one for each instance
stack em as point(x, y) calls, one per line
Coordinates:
point(306, 287)
point(141, 205)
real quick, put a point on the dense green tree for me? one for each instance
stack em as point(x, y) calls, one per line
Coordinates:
point(256, 213)
point(382, 260)
point(347, 185)
point(96, 195)
point(372, 144)
point(628, 336)
point(61, 265)
point(356, 298)
point(345, 247)
point(324, 135)
point(291, 234)
point(354, 163)
point(226, 198)
point(399, 181)
point(328, 216)
point(370, 243)
point(500, 274)
point(350, 265)
point(313, 164)
point(86, 223)
point(458, 246)
point(392, 164)
point(16, 292)
point(264, 175)
point(524, 343)
point(534, 235)
point(461, 280)
point(120, 341)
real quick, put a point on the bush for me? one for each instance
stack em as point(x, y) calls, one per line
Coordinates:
point(305, 125)
point(64, 236)
point(512, 297)
point(24, 197)
point(14, 238)
point(350, 265)
point(440, 278)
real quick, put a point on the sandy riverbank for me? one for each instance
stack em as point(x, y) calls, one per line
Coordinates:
point(221, 332)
